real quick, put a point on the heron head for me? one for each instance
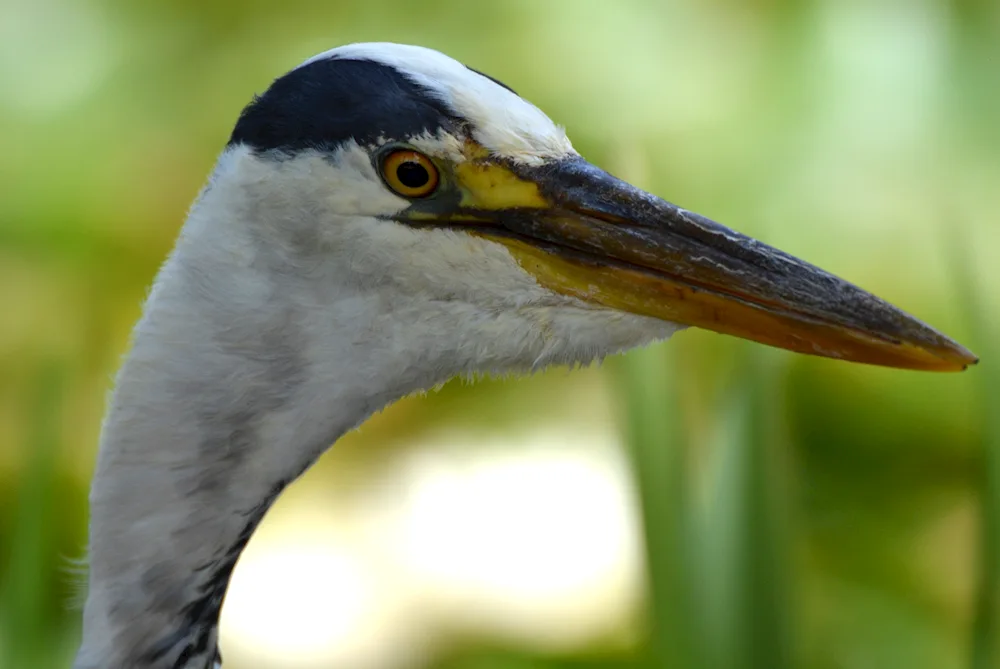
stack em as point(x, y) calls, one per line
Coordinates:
point(445, 183)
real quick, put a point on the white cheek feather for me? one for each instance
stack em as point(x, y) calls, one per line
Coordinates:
point(451, 292)
point(503, 121)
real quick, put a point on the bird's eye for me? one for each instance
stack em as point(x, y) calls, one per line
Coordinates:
point(409, 173)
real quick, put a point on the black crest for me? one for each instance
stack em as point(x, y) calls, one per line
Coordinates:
point(327, 102)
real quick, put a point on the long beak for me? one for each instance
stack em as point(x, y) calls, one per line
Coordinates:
point(585, 233)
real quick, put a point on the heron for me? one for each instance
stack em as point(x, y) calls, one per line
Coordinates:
point(382, 219)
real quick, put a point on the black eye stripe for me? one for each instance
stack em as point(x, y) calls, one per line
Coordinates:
point(328, 102)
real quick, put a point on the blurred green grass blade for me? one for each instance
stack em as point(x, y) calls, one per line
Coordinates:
point(654, 434)
point(986, 621)
point(745, 531)
point(489, 657)
point(766, 571)
point(26, 588)
point(986, 624)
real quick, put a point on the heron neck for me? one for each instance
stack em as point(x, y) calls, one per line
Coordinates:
point(228, 394)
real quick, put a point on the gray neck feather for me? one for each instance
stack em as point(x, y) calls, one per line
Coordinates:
point(251, 358)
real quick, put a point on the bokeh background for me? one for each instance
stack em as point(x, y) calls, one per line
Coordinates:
point(704, 503)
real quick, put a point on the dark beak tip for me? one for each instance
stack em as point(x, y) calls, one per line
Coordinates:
point(958, 354)
point(971, 359)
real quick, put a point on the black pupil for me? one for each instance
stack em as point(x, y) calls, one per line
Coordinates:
point(412, 174)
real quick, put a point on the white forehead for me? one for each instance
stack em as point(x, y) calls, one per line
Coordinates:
point(502, 121)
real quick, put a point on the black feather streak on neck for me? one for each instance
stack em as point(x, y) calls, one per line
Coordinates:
point(200, 617)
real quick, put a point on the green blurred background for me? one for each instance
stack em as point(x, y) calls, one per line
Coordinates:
point(704, 503)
